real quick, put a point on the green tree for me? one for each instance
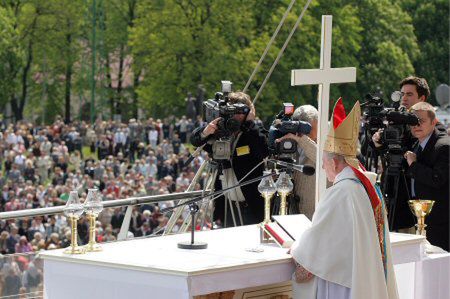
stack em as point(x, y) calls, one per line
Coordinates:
point(11, 54)
point(430, 20)
point(388, 48)
point(186, 43)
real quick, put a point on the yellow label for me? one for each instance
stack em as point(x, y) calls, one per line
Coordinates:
point(243, 150)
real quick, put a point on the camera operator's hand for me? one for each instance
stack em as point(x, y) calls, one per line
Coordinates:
point(376, 138)
point(410, 157)
point(252, 114)
point(211, 128)
point(289, 136)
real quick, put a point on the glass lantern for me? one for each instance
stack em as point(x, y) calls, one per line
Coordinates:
point(93, 206)
point(73, 210)
point(284, 187)
point(267, 188)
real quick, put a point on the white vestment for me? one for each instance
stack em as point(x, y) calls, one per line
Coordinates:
point(342, 247)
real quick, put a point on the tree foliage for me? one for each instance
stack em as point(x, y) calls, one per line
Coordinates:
point(150, 53)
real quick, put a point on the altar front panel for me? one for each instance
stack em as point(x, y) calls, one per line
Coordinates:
point(156, 268)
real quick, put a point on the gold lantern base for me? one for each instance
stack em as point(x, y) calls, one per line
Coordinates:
point(74, 248)
point(92, 246)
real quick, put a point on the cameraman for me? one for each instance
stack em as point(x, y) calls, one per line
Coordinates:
point(414, 90)
point(249, 147)
point(304, 186)
point(428, 166)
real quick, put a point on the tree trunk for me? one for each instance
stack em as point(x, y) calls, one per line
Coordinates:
point(120, 79)
point(135, 95)
point(18, 110)
point(68, 79)
point(110, 87)
point(68, 90)
point(15, 109)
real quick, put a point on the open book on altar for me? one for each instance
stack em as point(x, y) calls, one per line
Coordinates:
point(287, 228)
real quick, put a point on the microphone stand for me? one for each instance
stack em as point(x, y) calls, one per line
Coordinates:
point(193, 208)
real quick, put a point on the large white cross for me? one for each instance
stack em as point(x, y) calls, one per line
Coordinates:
point(323, 77)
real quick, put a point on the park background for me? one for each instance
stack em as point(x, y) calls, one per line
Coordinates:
point(88, 59)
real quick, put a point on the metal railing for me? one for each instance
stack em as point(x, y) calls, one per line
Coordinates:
point(132, 201)
point(37, 292)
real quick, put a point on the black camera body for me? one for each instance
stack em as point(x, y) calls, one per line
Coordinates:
point(219, 107)
point(373, 120)
point(282, 125)
point(396, 121)
point(393, 121)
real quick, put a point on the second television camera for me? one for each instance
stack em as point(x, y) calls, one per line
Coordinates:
point(392, 121)
point(282, 125)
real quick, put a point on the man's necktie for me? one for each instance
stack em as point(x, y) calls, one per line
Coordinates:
point(418, 151)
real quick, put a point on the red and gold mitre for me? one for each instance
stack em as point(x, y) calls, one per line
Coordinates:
point(342, 138)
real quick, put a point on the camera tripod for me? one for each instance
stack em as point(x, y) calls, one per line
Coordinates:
point(212, 169)
point(394, 174)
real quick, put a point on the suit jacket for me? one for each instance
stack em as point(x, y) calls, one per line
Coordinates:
point(431, 181)
point(402, 217)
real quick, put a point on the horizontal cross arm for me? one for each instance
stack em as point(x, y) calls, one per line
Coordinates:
point(319, 76)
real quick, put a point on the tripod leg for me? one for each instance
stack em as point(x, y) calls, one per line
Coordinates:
point(238, 208)
point(393, 201)
point(233, 217)
point(226, 212)
point(208, 205)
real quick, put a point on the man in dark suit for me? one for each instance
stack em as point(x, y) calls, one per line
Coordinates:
point(429, 171)
point(414, 90)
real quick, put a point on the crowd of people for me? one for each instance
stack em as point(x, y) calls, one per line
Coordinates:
point(40, 165)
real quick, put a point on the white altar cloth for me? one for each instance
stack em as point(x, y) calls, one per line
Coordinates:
point(156, 268)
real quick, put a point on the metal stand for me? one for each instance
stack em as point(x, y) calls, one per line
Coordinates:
point(193, 207)
point(207, 207)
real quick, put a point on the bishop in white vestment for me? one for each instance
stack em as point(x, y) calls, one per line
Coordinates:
point(346, 253)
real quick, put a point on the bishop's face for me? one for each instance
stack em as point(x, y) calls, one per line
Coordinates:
point(329, 166)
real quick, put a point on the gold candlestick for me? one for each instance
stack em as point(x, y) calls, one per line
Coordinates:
point(267, 198)
point(92, 246)
point(267, 189)
point(93, 206)
point(283, 205)
point(421, 209)
point(263, 236)
point(74, 248)
point(73, 210)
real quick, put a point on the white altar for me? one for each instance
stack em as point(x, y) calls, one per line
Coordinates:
point(156, 268)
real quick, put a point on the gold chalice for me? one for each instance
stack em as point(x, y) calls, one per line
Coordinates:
point(421, 208)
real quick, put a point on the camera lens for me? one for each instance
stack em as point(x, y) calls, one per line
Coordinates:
point(287, 145)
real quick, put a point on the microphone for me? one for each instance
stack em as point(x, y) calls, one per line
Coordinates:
point(306, 169)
